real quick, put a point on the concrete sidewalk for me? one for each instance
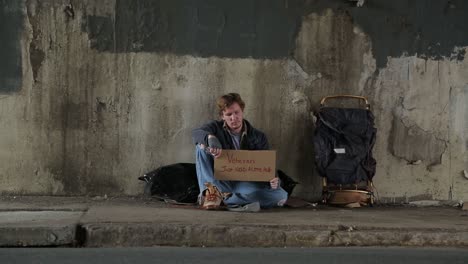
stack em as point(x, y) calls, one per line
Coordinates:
point(138, 221)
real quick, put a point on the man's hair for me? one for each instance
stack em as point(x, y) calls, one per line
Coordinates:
point(227, 100)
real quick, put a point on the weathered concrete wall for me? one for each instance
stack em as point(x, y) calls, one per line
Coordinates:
point(95, 94)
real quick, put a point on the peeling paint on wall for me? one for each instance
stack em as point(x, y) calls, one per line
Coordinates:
point(427, 29)
point(11, 26)
point(413, 144)
point(240, 29)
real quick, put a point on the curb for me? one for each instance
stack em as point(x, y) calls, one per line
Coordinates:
point(149, 234)
point(37, 236)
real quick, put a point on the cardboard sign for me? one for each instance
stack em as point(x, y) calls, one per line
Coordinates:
point(245, 165)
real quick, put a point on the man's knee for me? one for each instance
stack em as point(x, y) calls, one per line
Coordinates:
point(201, 153)
point(201, 146)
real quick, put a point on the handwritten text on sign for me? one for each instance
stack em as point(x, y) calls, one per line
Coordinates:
point(245, 165)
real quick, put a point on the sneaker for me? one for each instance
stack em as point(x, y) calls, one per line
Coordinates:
point(212, 198)
point(251, 207)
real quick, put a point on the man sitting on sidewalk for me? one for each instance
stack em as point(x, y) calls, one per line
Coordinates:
point(232, 132)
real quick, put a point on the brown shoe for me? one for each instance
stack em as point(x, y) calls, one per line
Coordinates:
point(213, 197)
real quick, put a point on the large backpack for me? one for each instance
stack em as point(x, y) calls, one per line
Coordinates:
point(343, 142)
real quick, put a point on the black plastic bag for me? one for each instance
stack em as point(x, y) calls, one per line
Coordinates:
point(287, 183)
point(177, 182)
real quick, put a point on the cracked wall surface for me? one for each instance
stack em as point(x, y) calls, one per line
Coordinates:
point(97, 93)
point(413, 144)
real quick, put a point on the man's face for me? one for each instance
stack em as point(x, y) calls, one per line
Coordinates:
point(234, 116)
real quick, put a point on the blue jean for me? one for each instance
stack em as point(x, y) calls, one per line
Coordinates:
point(242, 192)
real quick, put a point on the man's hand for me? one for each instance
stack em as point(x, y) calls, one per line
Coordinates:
point(274, 183)
point(214, 146)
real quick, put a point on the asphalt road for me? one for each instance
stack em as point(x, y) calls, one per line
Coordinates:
point(233, 255)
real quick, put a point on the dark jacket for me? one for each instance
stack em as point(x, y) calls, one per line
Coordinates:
point(251, 139)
